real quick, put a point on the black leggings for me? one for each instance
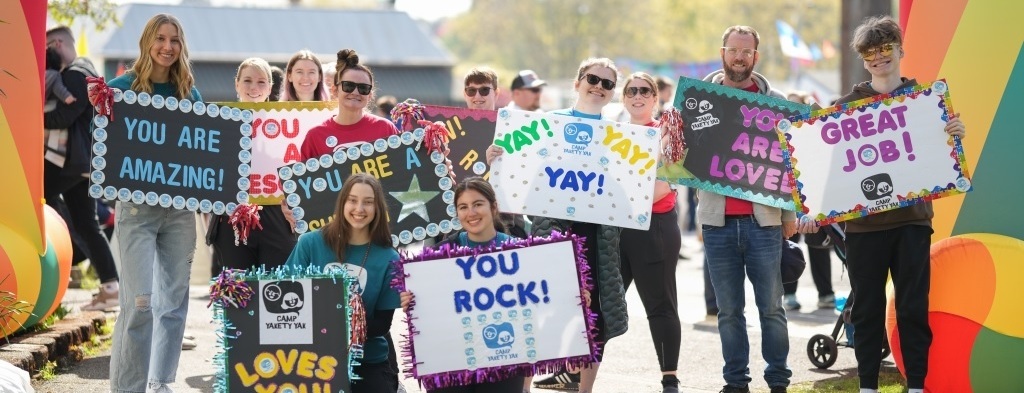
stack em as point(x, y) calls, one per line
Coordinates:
point(650, 257)
point(268, 247)
point(376, 378)
point(511, 385)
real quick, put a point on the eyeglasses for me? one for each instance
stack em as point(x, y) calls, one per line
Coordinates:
point(745, 52)
point(484, 91)
point(885, 50)
point(592, 79)
point(645, 92)
point(349, 87)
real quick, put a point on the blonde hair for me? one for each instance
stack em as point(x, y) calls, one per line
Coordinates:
point(644, 77)
point(596, 61)
point(180, 74)
point(257, 63)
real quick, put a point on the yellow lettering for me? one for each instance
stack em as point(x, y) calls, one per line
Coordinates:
point(265, 356)
point(266, 389)
point(382, 166)
point(622, 147)
point(325, 368)
point(469, 159)
point(611, 136)
point(243, 374)
point(287, 362)
point(306, 363)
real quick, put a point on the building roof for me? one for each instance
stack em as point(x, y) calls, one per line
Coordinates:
point(381, 37)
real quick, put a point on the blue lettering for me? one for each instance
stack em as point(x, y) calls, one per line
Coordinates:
point(509, 270)
point(410, 158)
point(526, 293)
point(553, 175)
point(466, 264)
point(487, 300)
point(500, 295)
point(490, 269)
point(305, 184)
point(462, 302)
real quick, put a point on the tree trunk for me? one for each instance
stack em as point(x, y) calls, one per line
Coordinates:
point(853, 13)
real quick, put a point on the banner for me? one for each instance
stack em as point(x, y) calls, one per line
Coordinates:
point(291, 333)
point(877, 154)
point(420, 194)
point(173, 153)
point(496, 312)
point(732, 144)
point(470, 132)
point(557, 166)
point(278, 131)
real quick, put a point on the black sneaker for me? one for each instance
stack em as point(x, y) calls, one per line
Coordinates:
point(733, 389)
point(778, 389)
point(561, 380)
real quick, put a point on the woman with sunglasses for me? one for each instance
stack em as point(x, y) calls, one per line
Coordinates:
point(649, 257)
point(595, 85)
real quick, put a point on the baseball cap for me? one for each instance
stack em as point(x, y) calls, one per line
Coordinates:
point(527, 79)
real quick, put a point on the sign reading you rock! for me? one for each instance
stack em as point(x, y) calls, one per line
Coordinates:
point(172, 153)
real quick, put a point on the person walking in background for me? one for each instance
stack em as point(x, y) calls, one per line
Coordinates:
point(277, 79)
point(526, 90)
point(157, 243)
point(67, 152)
point(745, 237)
point(304, 78)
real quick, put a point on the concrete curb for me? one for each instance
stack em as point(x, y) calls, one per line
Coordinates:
point(60, 343)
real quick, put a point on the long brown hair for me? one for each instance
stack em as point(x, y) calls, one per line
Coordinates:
point(478, 184)
point(338, 232)
point(180, 74)
point(288, 90)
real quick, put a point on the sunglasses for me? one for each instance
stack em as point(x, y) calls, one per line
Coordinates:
point(349, 87)
point(885, 50)
point(733, 51)
point(592, 79)
point(484, 91)
point(645, 92)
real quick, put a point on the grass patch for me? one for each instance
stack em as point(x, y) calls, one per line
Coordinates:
point(47, 323)
point(49, 371)
point(100, 342)
point(888, 382)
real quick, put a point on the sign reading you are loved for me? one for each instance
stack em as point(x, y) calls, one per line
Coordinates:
point(470, 132)
point(278, 131)
point(417, 187)
point(496, 312)
point(172, 153)
point(572, 168)
point(733, 148)
point(875, 154)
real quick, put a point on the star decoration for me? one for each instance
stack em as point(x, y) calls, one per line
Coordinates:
point(414, 201)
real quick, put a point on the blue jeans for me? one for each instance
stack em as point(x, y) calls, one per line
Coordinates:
point(156, 246)
point(743, 245)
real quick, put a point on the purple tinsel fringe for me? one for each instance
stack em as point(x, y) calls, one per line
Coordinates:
point(492, 374)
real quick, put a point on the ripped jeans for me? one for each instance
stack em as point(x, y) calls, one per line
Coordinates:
point(156, 246)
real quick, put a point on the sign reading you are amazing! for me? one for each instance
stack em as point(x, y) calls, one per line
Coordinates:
point(172, 153)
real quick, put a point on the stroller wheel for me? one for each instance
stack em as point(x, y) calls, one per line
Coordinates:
point(822, 351)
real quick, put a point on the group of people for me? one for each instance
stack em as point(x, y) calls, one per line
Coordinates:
point(741, 238)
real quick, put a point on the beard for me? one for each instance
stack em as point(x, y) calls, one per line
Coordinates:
point(737, 76)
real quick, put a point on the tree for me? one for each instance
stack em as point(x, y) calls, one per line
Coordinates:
point(101, 12)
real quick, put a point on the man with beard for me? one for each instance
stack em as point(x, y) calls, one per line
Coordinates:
point(745, 236)
point(526, 90)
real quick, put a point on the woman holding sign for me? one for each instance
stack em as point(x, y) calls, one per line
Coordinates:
point(268, 245)
point(156, 243)
point(649, 257)
point(359, 241)
point(477, 208)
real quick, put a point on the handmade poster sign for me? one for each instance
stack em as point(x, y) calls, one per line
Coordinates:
point(732, 145)
point(278, 131)
point(496, 312)
point(470, 132)
point(281, 332)
point(416, 184)
point(875, 154)
point(162, 151)
point(567, 167)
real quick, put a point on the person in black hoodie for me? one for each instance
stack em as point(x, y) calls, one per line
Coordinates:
point(896, 241)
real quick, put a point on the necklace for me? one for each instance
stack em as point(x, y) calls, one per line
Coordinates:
point(358, 309)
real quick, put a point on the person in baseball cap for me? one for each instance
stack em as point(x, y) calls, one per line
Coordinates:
point(526, 90)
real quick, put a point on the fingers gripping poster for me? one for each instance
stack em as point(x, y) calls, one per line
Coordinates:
point(732, 147)
point(172, 153)
point(567, 167)
point(877, 154)
point(418, 190)
point(517, 310)
point(470, 132)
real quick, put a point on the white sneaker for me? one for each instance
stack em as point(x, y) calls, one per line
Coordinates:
point(154, 387)
point(104, 301)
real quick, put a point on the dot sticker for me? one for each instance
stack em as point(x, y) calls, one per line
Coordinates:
point(243, 170)
point(270, 128)
point(124, 195)
point(99, 135)
point(441, 170)
point(319, 184)
point(199, 108)
point(445, 226)
point(436, 157)
point(285, 173)
point(456, 224)
point(353, 153)
point(405, 237)
point(407, 138)
point(218, 208)
point(100, 121)
point(366, 149)
point(245, 142)
point(95, 191)
point(432, 229)
point(380, 145)
point(212, 110)
point(192, 204)
point(99, 149)
point(245, 156)
point(144, 99)
point(242, 197)
point(326, 161)
point(99, 163)
point(151, 197)
point(97, 177)
point(138, 197)
point(299, 168)
point(298, 213)
point(332, 141)
point(158, 101)
point(479, 168)
point(451, 210)
point(288, 186)
point(394, 241)
point(130, 97)
point(394, 141)
point(118, 95)
point(448, 196)
point(418, 133)
point(247, 116)
point(225, 112)
point(292, 200)
point(419, 233)
point(243, 183)
point(109, 192)
point(445, 183)
point(230, 207)
point(236, 114)
point(185, 105)
point(340, 157)
point(165, 200)
point(171, 103)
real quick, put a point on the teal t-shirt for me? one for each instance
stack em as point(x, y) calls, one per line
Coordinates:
point(463, 240)
point(124, 82)
point(374, 279)
point(575, 113)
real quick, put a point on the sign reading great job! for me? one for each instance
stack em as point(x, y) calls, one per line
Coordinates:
point(162, 151)
point(278, 131)
point(875, 154)
point(732, 145)
point(417, 187)
point(579, 169)
point(287, 334)
point(496, 313)
point(470, 132)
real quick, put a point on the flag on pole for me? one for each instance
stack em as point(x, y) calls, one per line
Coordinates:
point(791, 43)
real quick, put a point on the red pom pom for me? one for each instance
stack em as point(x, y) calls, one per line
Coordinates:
point(675, 148)
point(245, 217)
point(104, 96)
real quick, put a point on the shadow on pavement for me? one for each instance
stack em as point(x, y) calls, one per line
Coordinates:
point(203, 383)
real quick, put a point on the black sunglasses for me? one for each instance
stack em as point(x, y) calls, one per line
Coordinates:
point(646, 92)
point(484, 91)
point(349, 87)
point(592, 79)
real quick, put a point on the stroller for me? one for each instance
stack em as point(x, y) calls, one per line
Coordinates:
point(823, 349)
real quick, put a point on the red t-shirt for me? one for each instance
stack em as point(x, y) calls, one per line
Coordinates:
point(735, 206)
point(367, 129)
point(667, 202)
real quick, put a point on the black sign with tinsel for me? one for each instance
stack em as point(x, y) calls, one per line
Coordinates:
point(417, 187)
point(470, 133)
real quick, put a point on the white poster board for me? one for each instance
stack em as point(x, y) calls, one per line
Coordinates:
point(869, 156)
point(496, 310)
point(557, 166)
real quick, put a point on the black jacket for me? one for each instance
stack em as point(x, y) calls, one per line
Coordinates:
point(76, 117)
